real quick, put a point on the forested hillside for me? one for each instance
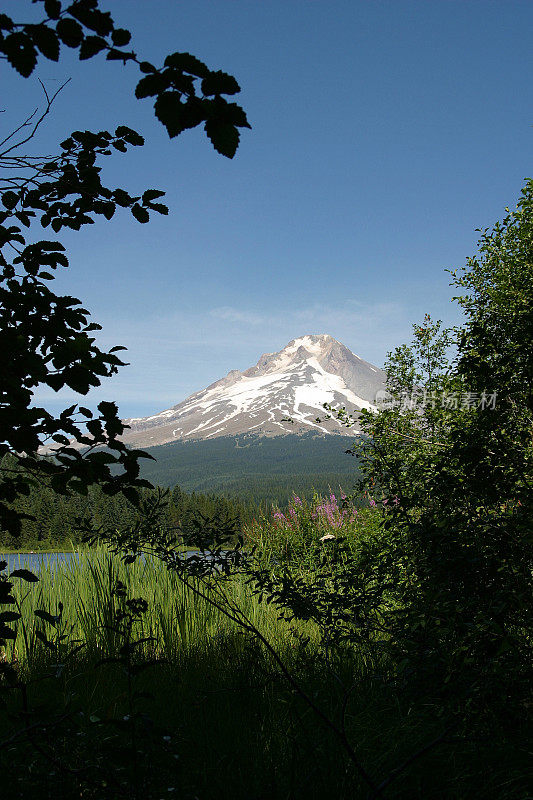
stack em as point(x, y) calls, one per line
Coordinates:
point(255, 468)
point(52, 519)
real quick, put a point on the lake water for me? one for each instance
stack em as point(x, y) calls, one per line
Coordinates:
point(34, 561)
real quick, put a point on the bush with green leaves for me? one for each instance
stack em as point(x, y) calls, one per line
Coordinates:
point(460, 466)
point(298, 535)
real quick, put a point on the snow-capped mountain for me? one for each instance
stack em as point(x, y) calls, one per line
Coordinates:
point(293, 383)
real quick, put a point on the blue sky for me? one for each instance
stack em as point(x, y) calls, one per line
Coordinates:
point(384, 133)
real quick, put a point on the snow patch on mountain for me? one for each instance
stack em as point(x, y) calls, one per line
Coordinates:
point(292, 383)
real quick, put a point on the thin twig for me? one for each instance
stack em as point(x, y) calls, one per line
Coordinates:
point(20, 127)
point(49, 101)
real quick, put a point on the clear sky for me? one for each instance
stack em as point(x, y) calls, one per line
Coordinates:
point(384, 133)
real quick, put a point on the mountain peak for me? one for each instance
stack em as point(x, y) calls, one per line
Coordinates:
point(304, 347)
point(292, 383)
point(313, 342)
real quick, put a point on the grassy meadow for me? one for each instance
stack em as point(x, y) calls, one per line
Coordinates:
point(170, 698)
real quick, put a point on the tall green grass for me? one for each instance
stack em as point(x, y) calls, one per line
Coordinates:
point(80, 593)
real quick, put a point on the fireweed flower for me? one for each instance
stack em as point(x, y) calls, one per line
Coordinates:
point(323, 516)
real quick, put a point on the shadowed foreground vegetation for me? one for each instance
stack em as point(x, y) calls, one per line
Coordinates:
point(114, 696)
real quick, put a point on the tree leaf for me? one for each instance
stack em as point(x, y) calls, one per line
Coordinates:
point(42, 638)
point(20, 53)
point(10, 199)
point(187, 63)
point(70, 32)
point(223, 136)
point(236, 115)
point(140, 213)
point(98, 21)
point(146, 67)
point(25, 574)
point(7, 633)
point(6, 23)
point(175, 115)
point(151, 85)
point(45, 244)
point(120, 37)
point(119, 55)
point(46, 40)
point(130, 136)
point(52, 8)
point(159, 207)
point(9, 616)
point(219, 83)
point(151, 194)
point(90, 46)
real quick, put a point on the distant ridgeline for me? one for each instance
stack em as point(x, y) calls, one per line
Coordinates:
point(255, 468)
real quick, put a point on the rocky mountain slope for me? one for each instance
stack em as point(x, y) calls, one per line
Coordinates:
point(293, 383)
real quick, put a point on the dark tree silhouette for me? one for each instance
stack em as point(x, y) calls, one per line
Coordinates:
point(46, 339)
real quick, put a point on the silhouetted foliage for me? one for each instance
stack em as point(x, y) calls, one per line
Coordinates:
point(46, 339)
point(452, 458)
